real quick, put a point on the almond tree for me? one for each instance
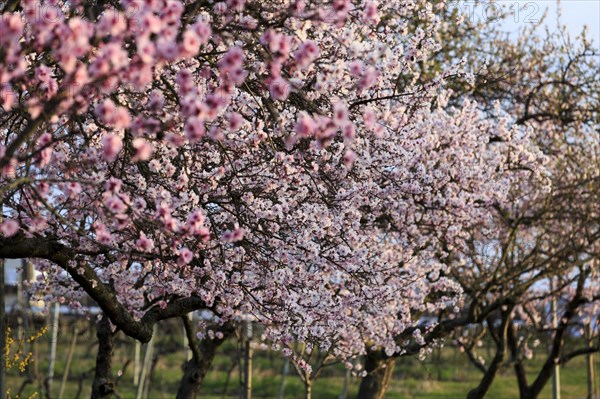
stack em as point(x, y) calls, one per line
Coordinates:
point(549, 227)
point(242, 157)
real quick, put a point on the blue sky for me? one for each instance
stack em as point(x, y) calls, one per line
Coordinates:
point(575, 13)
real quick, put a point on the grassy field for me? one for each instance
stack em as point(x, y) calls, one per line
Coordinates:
point(449, 376)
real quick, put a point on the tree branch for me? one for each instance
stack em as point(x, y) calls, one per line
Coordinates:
point(19, 246)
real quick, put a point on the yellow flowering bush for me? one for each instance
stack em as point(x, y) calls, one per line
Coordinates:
point(16, 356)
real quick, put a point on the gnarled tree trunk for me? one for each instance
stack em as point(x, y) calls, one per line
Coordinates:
point(104, 385)
point(203, 354)
point(481, 390)
point(379, 368)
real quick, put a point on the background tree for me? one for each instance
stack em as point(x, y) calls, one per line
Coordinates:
point(549, 84)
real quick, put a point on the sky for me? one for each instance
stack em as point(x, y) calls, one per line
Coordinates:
point(575, 14)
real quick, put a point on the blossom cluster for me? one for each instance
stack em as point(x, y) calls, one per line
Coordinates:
point(275, 169)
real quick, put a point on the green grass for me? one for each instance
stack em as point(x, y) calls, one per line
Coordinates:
point(449, 376)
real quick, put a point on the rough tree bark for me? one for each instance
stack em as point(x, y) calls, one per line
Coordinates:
point(203, 354)
point(19, 246)
point(103, 385)
point(481, 390)
point(518, 367)
point(379, 368)
point(557, 346)
point(373, 381)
